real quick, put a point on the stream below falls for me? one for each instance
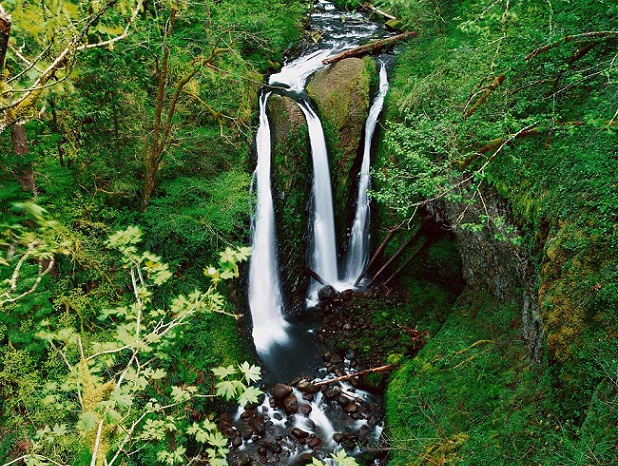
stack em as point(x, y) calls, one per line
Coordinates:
point(302, 416)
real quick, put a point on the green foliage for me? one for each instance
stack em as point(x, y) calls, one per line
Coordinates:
point(513, 99)
point(107, 375)
point(340, 458)
point(470, 397)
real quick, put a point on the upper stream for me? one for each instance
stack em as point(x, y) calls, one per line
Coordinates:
point(301, 418)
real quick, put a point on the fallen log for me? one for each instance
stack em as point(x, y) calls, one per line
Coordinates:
point(372, 47)
point(408, 260)
point(410, 240)
point(376, 254)
point(343, 378)
point(372, 9)
point(313, 274)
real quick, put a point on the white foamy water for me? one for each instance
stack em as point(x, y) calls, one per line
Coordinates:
point(269, 325)
point(357, 255)
point(323, 246)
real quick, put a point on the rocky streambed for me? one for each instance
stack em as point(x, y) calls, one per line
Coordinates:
point(327, 408)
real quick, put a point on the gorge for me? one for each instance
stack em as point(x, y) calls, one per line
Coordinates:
point(472, 320)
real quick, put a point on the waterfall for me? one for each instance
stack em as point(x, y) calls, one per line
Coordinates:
point(289, 348)
point(265, 301)
point(323, 256)
point(358, 248)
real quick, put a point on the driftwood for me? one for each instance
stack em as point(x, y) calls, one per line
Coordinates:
point(373, 47)
point(372, 9)
point(386, 368)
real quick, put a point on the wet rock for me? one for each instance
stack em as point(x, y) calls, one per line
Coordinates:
point(314, 442)
point(273, 447)
point(290, 404)
point(237, 441)
point(277, 416)
point(347, 295)
point(332, 392)
point(305, 458)
point(305, 409)
point(343, 400)
point(338, 437)
point(341, 93)
point(363, 434)
point(281, 391)
point(262, 450)
point(310, 424)
point(308, 397)
point(351, 408)
point(307, 386)
point(257, 425)
point(246, 431)
point(299, 433)
point(327, 293)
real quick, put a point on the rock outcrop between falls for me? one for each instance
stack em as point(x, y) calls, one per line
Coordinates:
point(341, 93)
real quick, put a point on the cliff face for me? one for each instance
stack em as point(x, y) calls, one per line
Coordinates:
point(291, 182)
point(493, 262)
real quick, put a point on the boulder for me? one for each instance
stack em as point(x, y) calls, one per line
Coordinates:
point(281, 391)
point(291, 176)
point(341, 93)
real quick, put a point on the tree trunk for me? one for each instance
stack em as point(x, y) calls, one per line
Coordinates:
point(373, 47)
point(25, 174)
point(5, 31)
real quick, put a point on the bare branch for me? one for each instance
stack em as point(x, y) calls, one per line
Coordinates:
point(124, 34)
point(575, 37)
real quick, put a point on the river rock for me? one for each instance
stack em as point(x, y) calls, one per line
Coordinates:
point(257, 425)
point(281, 391)
point(332, 392)
point(351, 408)
point(305, 458)
point(290, 404)
point(237, 440)
point(299, 433)
point(314, 442)
point(305, 409)
point(327, 293)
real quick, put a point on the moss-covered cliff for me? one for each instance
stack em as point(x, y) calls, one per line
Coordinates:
point(502, 123)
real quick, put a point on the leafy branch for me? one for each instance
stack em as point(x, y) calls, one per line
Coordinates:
point(109, 376)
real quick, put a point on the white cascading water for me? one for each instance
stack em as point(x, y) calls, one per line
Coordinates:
point(358, 248)
point(269, 325)
point(323, 259)
point(274, 338)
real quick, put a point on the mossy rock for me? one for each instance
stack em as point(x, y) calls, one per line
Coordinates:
point(291, 176)
point(341, 93)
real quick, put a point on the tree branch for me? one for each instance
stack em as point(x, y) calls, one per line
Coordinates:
point(386, 368)
point(495, 84)
point(577, 37)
